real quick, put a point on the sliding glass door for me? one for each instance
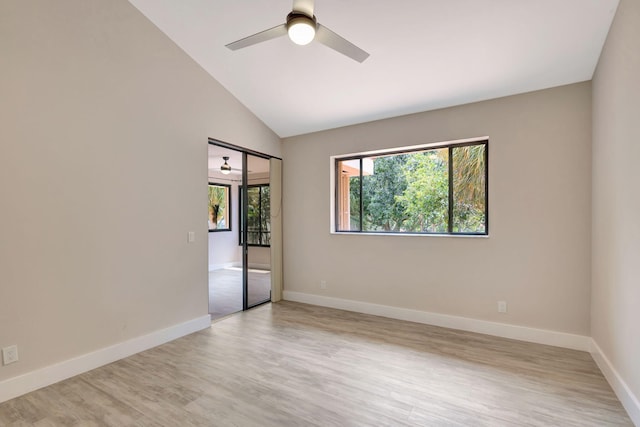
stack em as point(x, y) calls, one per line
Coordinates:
point(240, 229)
point(225, 254)
point(256, 230)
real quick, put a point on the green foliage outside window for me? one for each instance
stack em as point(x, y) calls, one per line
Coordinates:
point(259, 215)
point(409, 192)
point(219, 207)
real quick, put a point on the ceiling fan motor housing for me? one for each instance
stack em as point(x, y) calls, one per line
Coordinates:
point(299, 17)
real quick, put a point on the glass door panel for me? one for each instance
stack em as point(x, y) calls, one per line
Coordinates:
point(258, 234)
point(226, 283)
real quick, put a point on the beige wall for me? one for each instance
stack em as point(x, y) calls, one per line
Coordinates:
point(94, 102)
point(259, 257)
point(615, 317)
point(538, 252)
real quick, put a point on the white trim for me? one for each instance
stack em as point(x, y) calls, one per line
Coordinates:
point(256, 266)
point(413, 147)
point(404, 234)
point(622, 390)
point(22, 384)
point(213, 267)
point(523, 333)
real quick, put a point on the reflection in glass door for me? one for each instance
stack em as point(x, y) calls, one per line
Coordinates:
point(225, 254)
point(256, 230)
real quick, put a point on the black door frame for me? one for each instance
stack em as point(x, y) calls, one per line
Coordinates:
point(244, 217)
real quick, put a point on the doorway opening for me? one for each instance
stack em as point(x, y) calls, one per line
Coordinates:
point(240, 231)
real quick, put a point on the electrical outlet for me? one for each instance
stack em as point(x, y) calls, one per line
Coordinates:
point(323, 284)
point(9, 354)
point(191, 237)
point(502, 306)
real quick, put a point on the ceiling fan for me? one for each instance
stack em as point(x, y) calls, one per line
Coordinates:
point(302, 27)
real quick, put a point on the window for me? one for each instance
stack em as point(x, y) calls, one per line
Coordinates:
point(429, 190)
point(219, 207)
point(258, 215)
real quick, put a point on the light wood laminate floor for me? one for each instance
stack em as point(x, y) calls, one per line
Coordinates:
point(290, 364)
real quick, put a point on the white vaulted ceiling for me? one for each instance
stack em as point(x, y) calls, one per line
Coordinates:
point(425, 54)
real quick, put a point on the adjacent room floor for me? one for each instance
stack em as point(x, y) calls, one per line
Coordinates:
point(225, 290)
point(290, 364)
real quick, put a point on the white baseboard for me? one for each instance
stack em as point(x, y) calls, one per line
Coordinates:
point(622, 390)
point(523, 333)
point(213, 267)
point(25, 383)
point(260, 266)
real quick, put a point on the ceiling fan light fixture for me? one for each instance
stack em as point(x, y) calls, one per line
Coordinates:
point(301, 28)
point(225, 168)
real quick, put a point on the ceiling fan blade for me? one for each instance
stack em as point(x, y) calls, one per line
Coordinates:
point(342, 45)
point(303, 6)
point(260, 37)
